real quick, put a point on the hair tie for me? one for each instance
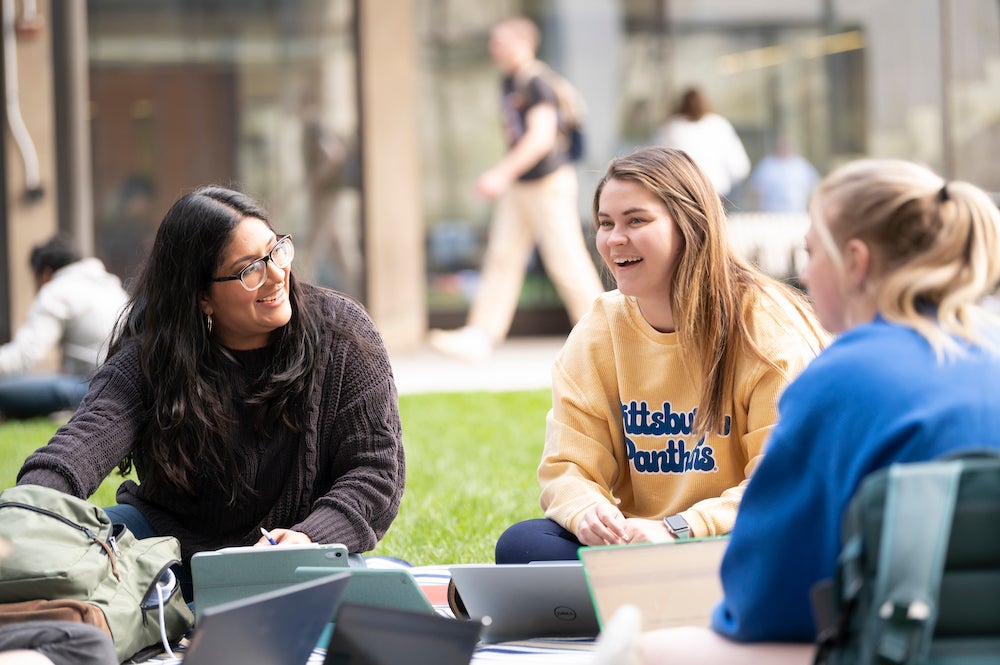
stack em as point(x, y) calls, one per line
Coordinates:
point(943, 192)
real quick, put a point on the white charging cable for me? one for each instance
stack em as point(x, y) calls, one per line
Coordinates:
point(170, 582)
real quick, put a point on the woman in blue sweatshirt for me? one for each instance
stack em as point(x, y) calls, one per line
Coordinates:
point(898, 262)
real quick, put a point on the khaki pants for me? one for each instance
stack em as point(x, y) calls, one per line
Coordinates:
point(541, 212)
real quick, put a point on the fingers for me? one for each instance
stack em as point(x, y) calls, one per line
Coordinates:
point(602, 525)
point(284, 537)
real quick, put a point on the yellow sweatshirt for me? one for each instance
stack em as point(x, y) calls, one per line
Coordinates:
point(623, 402)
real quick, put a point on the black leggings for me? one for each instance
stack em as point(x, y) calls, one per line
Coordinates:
point(536, 540)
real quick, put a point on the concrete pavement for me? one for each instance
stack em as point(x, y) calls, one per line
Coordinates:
point(521, 363)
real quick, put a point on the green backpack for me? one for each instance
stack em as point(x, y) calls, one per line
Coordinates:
point(64, 548)
point(918, 578)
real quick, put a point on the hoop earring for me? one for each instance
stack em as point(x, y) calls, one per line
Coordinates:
point(208, 323)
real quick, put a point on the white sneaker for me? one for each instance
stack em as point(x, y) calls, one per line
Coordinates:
point(618, 643)
point(468, 344)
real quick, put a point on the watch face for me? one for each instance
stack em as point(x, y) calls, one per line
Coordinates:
point(676, 523)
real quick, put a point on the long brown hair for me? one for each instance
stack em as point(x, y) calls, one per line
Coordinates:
point(714, 292)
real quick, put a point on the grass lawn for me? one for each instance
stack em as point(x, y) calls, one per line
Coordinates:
point(470, 471)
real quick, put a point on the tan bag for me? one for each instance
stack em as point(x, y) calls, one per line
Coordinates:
point(53, 610)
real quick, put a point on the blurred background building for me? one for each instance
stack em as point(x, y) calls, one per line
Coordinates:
point(362, 124)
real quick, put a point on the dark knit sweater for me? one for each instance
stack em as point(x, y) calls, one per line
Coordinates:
point(339, 480)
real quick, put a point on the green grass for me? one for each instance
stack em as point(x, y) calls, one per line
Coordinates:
point(19, 438)
point(470, 471)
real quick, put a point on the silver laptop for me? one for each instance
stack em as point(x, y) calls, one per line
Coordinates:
point(675, 583)
point(273, 628)
point(523, 601)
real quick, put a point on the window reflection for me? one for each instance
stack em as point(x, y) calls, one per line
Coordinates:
point(258, 96)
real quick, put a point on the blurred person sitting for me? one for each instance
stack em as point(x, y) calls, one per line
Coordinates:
point(783, 180)
point(75, 309)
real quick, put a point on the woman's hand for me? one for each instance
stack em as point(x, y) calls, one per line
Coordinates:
point(603, 524)
point(638, 530)
point(284, 537)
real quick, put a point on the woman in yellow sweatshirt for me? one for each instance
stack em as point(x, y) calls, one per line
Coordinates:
point(665, 392)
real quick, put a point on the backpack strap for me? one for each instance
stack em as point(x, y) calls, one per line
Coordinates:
point(569, 105)
point(919, 506)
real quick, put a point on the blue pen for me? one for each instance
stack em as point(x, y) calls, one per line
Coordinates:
point(268, 536)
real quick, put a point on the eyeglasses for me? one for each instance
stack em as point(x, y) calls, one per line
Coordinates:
point(253, 276)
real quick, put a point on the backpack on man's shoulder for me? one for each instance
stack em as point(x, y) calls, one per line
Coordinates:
point(571, 108)
point(918, 578)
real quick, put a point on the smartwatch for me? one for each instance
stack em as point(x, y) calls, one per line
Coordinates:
point(677, 526)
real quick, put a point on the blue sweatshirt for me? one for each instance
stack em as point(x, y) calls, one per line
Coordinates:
point(876, 396)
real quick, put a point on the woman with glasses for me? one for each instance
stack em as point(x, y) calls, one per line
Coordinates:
point(243, 398)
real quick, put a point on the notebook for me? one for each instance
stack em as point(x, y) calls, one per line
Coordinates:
point(273, 628)
point(522, 601)
point(233, 573)
point(675, 583)
point(366, 635)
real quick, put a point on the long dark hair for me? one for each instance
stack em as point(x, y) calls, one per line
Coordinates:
point(189, 429)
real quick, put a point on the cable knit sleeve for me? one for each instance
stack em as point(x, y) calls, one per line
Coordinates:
point(361, 475)
point(102, 431)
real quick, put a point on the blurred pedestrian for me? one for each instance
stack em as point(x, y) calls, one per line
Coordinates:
point(709, 138)
point(782, 180)
point(535, 189)
point(74, 311)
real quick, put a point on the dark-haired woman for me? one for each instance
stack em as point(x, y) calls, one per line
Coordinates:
point(243, 398)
